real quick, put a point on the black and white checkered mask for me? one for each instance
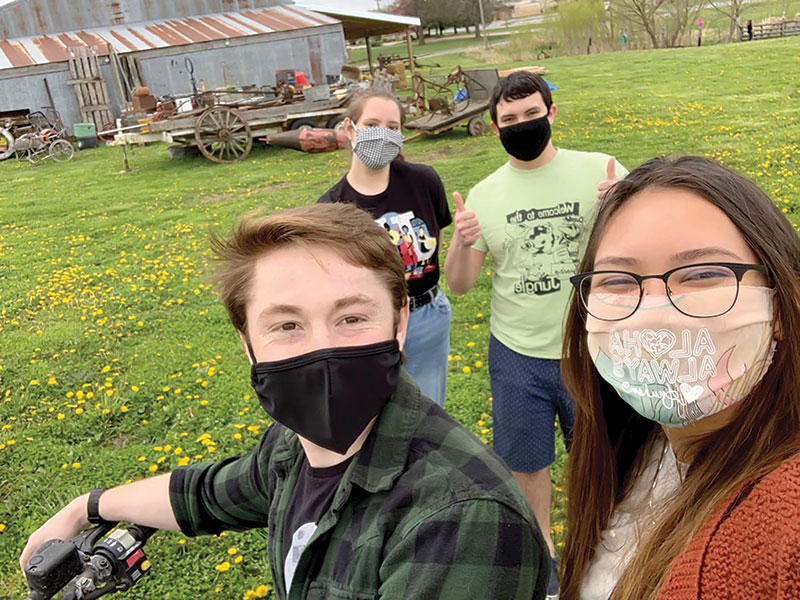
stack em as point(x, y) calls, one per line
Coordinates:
point(377, 146)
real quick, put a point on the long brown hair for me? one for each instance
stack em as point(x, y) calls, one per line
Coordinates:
point(609, 436)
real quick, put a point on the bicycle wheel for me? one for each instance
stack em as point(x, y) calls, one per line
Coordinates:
point(61, 150)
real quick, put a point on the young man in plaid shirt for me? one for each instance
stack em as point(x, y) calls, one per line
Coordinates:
point(368, 489)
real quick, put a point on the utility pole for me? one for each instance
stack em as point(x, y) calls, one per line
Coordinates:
point(483, 25)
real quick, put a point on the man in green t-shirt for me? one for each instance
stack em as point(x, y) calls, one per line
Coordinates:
point(529, 215)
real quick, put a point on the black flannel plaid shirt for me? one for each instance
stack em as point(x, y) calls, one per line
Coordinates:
point(424, 510)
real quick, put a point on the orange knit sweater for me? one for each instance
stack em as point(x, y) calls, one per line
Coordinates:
point(749, 549)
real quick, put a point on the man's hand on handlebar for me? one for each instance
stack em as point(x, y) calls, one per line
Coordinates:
point(64, 525)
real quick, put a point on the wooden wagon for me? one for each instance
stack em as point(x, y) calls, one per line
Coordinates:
point(225, 134)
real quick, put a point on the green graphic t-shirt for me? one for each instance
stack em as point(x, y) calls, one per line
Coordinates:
point(532, 224)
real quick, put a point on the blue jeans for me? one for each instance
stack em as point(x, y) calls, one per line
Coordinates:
point(427, 345)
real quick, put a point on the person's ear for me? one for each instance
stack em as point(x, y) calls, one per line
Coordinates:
point(349, 130)
point(552, 116)
point(493, 126)
point(247, 347)
point(402, 326)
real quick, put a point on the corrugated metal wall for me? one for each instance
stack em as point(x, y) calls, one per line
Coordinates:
point(241, 62)
point(34, 17)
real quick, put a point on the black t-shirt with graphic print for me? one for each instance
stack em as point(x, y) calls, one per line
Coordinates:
point(413, 209)
point(311, 498)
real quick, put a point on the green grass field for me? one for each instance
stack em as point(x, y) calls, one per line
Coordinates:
point(117, 361)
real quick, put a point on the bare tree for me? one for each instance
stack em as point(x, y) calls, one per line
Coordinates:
point(672, 17)
point(642, 14)
point(733, 10)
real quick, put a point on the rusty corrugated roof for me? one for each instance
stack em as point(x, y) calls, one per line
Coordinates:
point(49, 48)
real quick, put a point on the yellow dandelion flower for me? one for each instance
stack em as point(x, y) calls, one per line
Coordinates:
point(466, 369)
point(134, 388)
point(76, 465)
point(60, 416)
point(470, 344)
point(232, 551)
point(51, 381)
point(152, 468)
point(238, 559)
point(123, 408)
point(262, 591)
point(78, 411)
point(222, 567)
point(478, 364)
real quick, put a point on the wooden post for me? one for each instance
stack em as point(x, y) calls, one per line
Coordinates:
point(126, 168)
point(411, 67)
point(114, 61)
point(369, 54)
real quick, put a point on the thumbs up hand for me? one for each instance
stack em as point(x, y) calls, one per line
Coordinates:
point(611, 179)
point(467, 226)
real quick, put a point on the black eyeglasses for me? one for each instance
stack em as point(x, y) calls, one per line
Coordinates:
point(616, 295)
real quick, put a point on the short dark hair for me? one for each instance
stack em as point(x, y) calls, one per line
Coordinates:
point(518, 85)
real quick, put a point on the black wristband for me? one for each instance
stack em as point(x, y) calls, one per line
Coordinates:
point(93, 507)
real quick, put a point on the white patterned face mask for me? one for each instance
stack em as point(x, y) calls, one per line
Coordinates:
point(676, 369)
point(376, 147)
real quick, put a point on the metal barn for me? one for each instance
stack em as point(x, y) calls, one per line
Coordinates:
point(230, 43)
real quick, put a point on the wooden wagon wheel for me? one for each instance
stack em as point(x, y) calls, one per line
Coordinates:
point(223, 135)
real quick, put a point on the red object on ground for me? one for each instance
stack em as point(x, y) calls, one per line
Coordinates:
point(309, 140)
point(300, 79)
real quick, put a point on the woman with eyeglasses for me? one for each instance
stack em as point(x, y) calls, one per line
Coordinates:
point(683, 355)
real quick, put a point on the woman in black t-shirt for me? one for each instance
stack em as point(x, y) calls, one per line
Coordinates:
point(409, 201)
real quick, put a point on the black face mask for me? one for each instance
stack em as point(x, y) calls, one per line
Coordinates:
point(328, 396)
point(527, 140)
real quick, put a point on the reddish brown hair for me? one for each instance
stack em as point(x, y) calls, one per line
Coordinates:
point(342, 228)
point(609, 436)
